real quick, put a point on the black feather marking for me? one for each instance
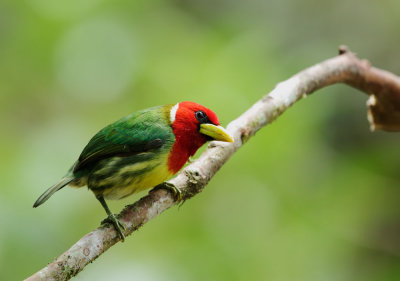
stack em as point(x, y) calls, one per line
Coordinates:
point(117, 150)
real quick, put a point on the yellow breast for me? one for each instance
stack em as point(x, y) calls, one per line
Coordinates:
point(156, 172)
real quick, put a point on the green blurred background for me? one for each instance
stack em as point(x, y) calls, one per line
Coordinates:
point(314, 196)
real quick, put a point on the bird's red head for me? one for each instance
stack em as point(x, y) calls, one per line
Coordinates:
point(193, 125)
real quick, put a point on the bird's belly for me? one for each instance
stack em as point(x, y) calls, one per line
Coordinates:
point(129, 179)
point(150, 179)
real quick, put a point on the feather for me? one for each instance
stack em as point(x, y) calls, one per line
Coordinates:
point(49, 192)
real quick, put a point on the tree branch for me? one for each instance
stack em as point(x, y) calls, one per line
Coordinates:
point(384, 113)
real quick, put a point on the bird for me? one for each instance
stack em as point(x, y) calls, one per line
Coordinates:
point(140, 151)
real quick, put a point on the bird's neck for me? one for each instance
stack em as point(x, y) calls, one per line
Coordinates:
point(185, 145)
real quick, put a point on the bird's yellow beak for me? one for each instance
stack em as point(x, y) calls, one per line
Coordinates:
point(216, 132)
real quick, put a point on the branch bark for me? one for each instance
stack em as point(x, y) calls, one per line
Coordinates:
point(384, 113)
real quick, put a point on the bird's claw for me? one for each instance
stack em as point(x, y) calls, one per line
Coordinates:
point(177, 193)
point(119, 226)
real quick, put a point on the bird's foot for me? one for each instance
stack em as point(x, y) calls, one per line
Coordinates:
point(120, 227)
point(177, 193)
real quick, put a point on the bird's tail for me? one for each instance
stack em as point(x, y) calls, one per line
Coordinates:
point(49, 192)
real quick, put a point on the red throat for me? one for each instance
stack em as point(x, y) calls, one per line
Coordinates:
point(187, 137)
point(183, 148)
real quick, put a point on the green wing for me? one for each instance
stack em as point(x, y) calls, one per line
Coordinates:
point(136, 133)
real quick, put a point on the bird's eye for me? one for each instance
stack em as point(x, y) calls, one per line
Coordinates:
point(201, 117)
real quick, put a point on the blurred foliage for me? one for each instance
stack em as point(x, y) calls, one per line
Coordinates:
point(314, 196)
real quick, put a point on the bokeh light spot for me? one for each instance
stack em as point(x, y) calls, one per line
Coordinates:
point(63, 9)
point(95, 61)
